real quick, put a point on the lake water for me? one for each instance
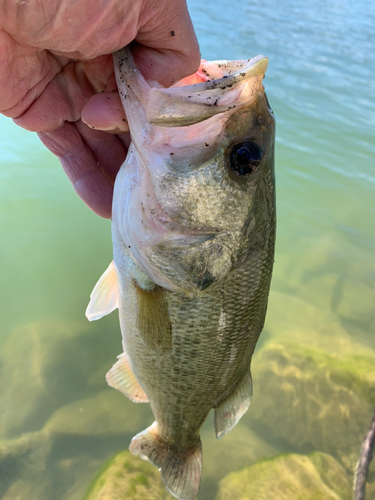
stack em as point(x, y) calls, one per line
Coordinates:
point(314, 368)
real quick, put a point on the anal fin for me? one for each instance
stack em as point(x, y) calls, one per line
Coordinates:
point(180, 467)
point(122, 378)
point(229, 412)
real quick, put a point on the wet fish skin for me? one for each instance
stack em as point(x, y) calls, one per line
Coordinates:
point(193, 247)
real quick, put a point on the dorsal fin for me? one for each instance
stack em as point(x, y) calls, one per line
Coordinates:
point(104, 297)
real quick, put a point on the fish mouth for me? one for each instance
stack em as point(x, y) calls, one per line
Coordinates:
point(215, 88)
point(220, 86)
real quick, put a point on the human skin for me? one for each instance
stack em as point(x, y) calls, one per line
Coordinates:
point(57, 77)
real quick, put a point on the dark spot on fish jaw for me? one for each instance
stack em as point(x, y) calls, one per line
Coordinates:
point(204, 280)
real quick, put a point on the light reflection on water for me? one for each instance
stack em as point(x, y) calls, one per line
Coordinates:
point(321, 85)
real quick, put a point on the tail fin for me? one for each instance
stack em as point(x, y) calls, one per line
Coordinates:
point(180, 469)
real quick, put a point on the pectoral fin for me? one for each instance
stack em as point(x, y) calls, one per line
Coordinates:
point(229, 412)
point(104, 297)
point(153, 318)
point(122, 378)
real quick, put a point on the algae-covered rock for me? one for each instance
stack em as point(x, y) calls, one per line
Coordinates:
point(289, 477)
point(356, 301)
point(290, 318)
point(329, 273)
point(107, 413)
point(75, 475)
point(23, 464)
point(313, 400)
point(237, 449)
point(45, 365)
point(128, 477)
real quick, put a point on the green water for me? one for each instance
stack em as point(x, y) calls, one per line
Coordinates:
point(314, 369)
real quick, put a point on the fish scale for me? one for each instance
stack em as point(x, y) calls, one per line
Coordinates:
point(193, 247)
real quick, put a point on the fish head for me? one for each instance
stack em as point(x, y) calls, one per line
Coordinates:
point(196, 192)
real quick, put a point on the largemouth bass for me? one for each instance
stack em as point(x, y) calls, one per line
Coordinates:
point(193, 248)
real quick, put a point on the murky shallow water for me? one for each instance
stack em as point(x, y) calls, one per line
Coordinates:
point(314, 368)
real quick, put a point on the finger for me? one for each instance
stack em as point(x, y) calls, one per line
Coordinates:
point(167, 49)
point(90, 159)
point(104, 111)
point(109, 151)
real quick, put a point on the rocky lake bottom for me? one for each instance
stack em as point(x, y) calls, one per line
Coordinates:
point(65, 435)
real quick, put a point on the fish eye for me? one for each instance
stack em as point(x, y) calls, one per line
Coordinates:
point(245, 158)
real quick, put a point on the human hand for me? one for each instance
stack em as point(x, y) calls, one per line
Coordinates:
point(57, 77)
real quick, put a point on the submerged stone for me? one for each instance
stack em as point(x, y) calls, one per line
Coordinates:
point(311, 399)
point(23, 464)
point(325, 275)
point(107, 413)
point(356, 301)
point(289, 477)
point(44, 365)
point(128, 477)
point(76, 474)
point(291, 318)
point(237, 449)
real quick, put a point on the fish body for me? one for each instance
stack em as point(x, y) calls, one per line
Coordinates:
point(193, 248)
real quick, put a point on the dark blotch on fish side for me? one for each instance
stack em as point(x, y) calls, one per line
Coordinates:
point(173, 33)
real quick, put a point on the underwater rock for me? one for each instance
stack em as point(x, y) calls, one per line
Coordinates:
point(356, 301)
point(237, 449)
point(308, 261)
point(322, 274)
point(311, 399)
point(128, 477)
point(107, 413)
point(293, 319)
point(77, 474)
point(288, 477)
point(23, 464)
point(44, 365)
